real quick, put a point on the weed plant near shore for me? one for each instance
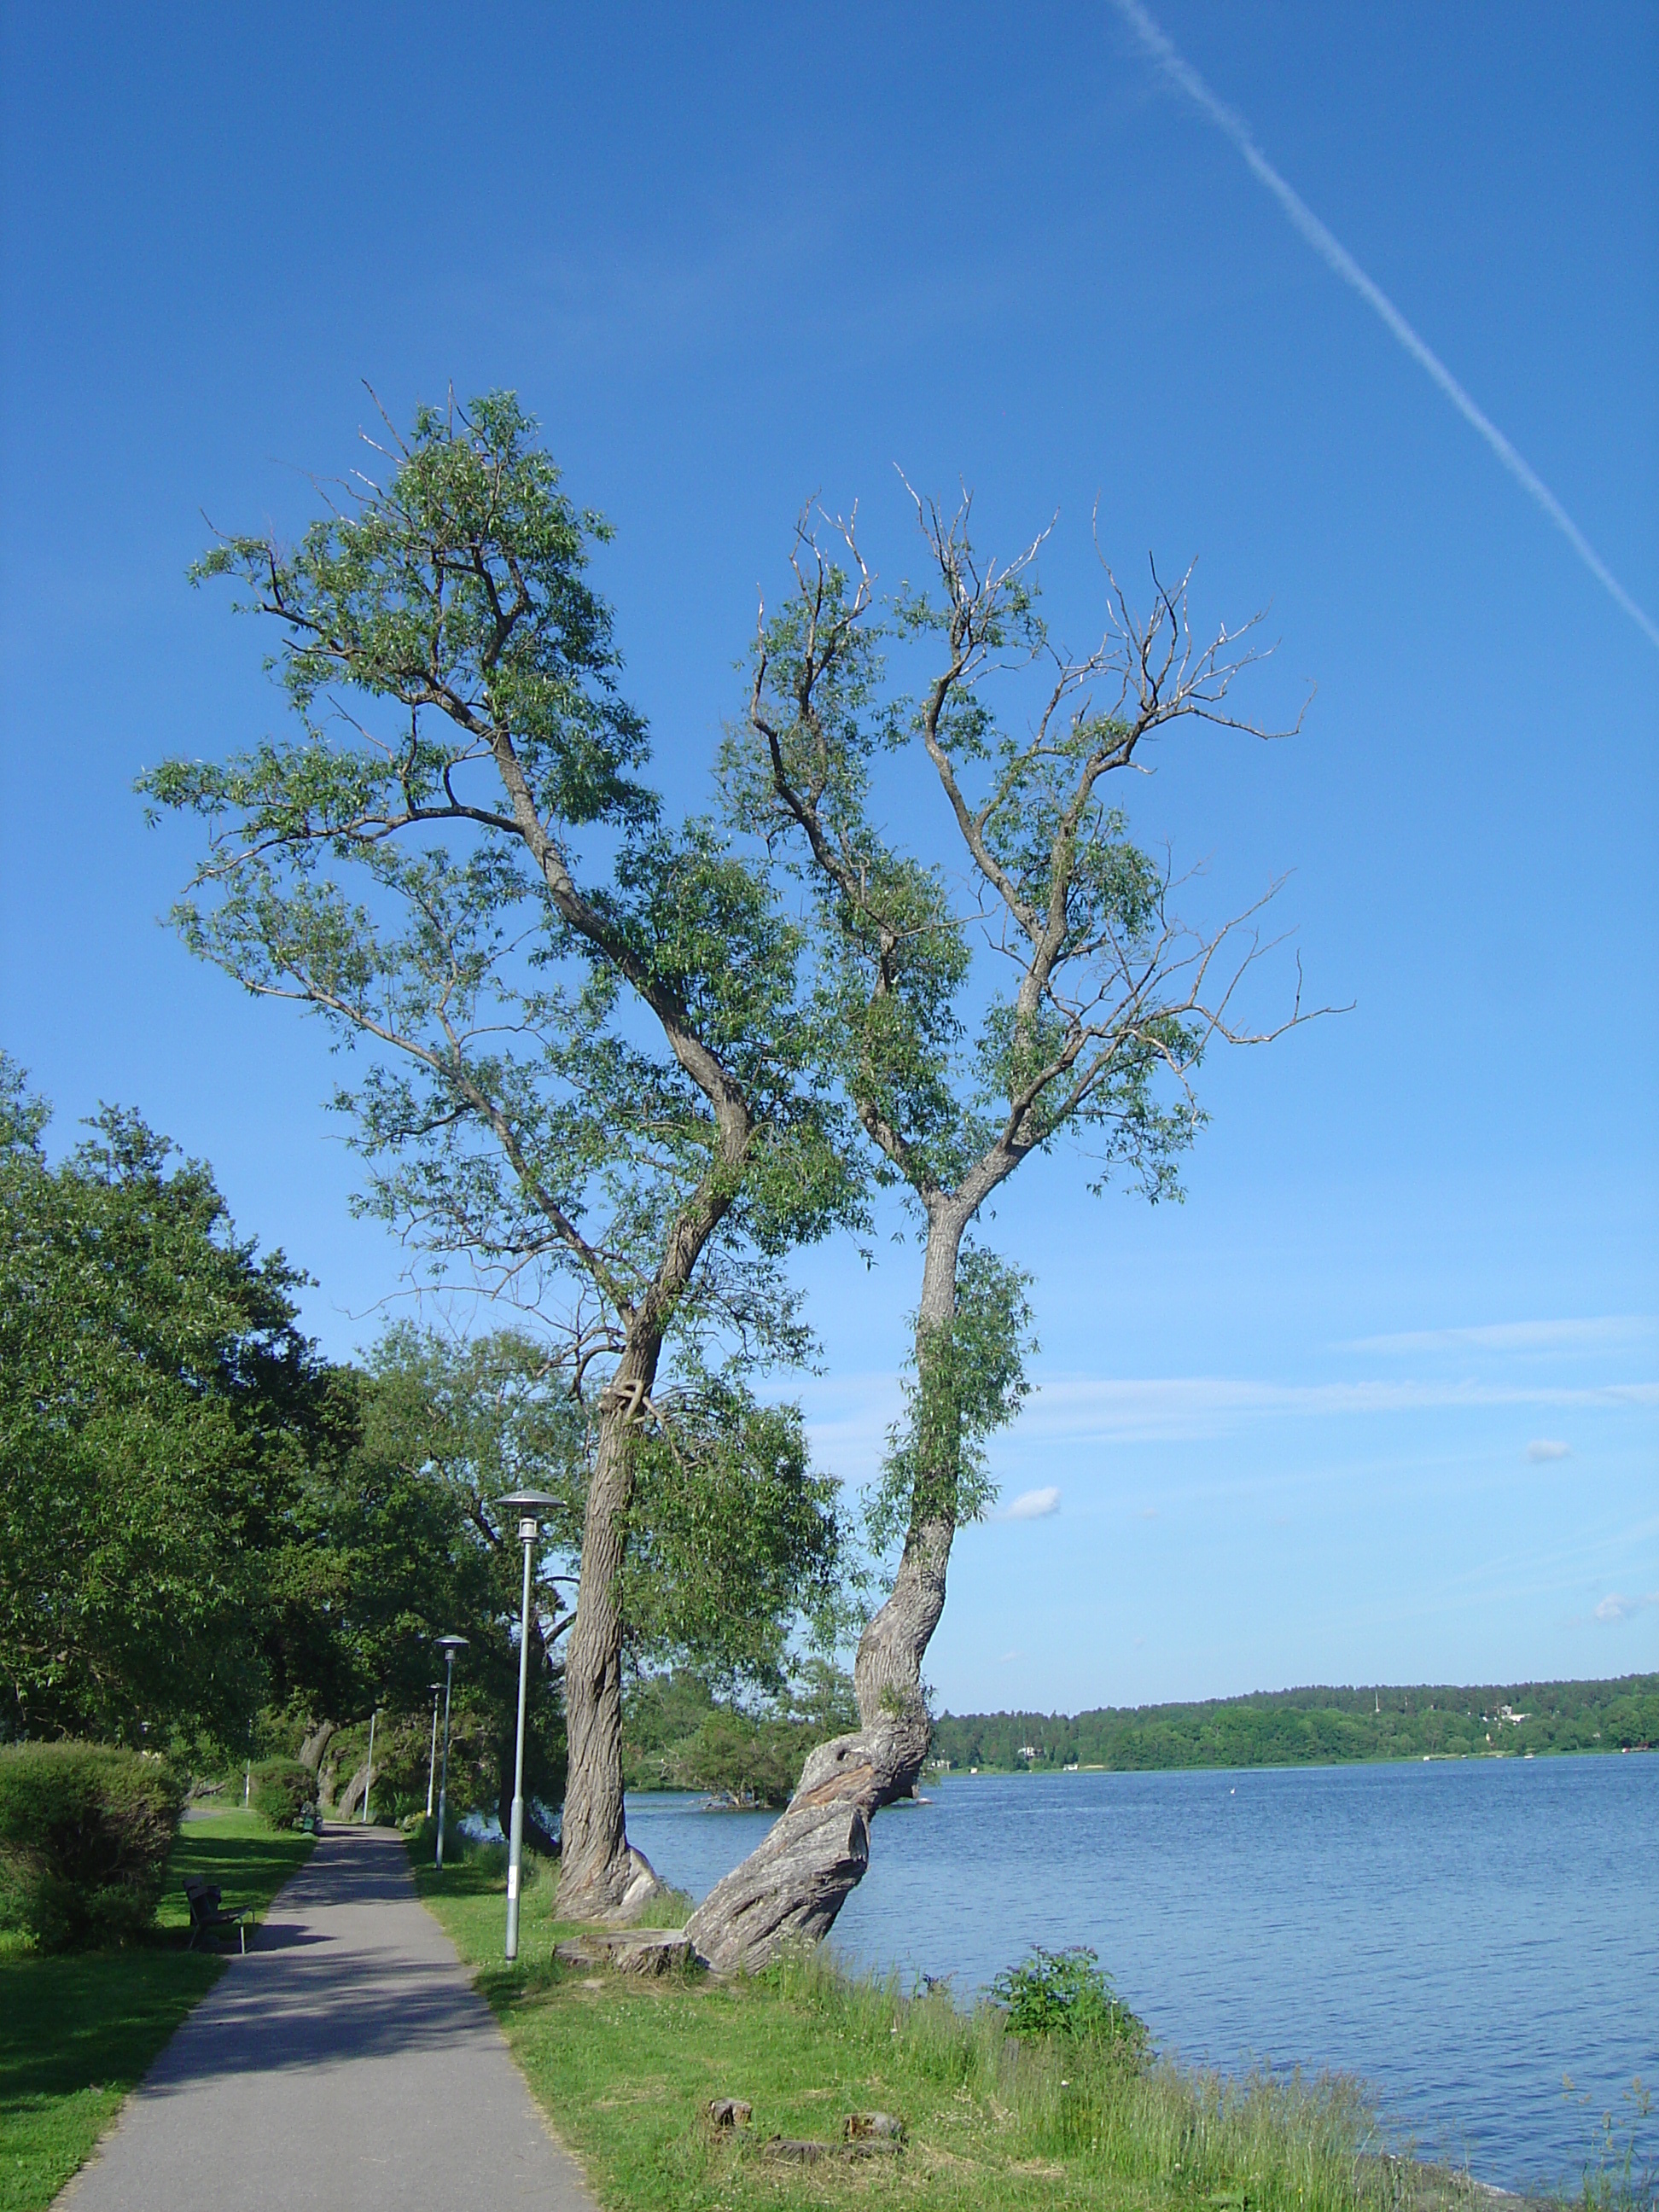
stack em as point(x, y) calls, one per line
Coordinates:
point(625, 2070)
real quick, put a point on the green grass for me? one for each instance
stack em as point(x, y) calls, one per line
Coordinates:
point(77, 2032)
point(624, 2070)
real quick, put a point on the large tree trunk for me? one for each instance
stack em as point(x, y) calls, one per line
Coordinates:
point(346, 1804)
point(600, 1876)
point(791, 1888)
point(318, 1738)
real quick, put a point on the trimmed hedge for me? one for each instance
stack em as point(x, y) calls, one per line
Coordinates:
point(283, 1788)
point(85, 1831)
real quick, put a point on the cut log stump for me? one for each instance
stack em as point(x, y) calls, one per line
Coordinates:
point(794, 2150)
point(797, 2150)
point(645, 1950)
point(872, 2128)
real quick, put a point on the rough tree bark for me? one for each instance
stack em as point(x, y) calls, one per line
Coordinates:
point(318, 1738)
point(601, 1875)
point(792, 1887)
point(345, 1805)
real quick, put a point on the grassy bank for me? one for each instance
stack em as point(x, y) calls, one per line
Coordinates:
point(625, 2070)
point(77, 2032)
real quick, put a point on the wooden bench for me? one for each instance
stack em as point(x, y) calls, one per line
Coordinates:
point(204, 1898)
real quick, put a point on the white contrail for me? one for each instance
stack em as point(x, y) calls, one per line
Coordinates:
point(1337, 256)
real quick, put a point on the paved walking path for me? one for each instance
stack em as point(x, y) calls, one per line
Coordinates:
point(345, 2061)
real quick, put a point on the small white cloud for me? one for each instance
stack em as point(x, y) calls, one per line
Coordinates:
point(1009, 1657)
point(1149, 1512)
point(1543, 1447)
point(1614, 1607)
point(1032, 1506)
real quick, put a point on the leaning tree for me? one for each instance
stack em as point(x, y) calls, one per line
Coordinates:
point(1038, 985)
point(591, 1077)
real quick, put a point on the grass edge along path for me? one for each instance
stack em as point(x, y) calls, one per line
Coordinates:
point(625, 2069)
point(78, 2031)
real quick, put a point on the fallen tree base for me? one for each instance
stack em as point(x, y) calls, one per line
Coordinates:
point(642, 1951)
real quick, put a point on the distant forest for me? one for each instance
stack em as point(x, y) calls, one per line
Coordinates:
point(1315, 1728)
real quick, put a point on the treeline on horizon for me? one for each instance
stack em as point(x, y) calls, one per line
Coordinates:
point(1315, 1726)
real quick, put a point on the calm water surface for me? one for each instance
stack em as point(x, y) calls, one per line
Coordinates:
point(1462, 1934)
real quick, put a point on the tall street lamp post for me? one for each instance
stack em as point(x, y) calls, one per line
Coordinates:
point(449, 1645)
point(431, 1757)
point(528, 1504)
point(368, 1780)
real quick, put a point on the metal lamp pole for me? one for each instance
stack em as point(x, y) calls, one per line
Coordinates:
point(432, 1758)
point(449, 1645)
point(528, 1504)
point(368, 1782)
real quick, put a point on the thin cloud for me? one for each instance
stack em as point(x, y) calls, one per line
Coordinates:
point(1576, 1335)
point(1546, 1448)
point(1032, 1506)
point(1614, 1607)
point(1078, 1407)
point(1336, 257)
point(848, 1423)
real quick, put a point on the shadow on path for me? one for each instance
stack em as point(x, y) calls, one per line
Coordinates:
point(347, 2053)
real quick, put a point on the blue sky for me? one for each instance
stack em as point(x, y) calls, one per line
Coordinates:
point(1381, 1401)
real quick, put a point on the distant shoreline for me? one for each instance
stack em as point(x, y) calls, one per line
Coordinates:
point(1402, 1759)
point(1372, 1724)
point(1375, 1724)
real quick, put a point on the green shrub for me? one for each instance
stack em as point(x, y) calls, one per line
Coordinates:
point(283, 1788)
point(85, 1831)
point(1066, 1993)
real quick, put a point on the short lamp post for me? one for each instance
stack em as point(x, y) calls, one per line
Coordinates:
point(436, 1688)
point(449, 1645)
point(529, 1505)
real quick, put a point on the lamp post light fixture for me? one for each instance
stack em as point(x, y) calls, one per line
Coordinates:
point(437, 1689)
point(449, 1645)
point(529, 1505)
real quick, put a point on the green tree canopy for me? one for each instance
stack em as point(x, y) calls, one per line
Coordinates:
point(158, 1408)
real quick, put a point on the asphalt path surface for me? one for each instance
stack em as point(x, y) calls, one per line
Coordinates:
point(345, 2061)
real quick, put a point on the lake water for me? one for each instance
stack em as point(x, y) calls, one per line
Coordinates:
point(1461, 1935)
